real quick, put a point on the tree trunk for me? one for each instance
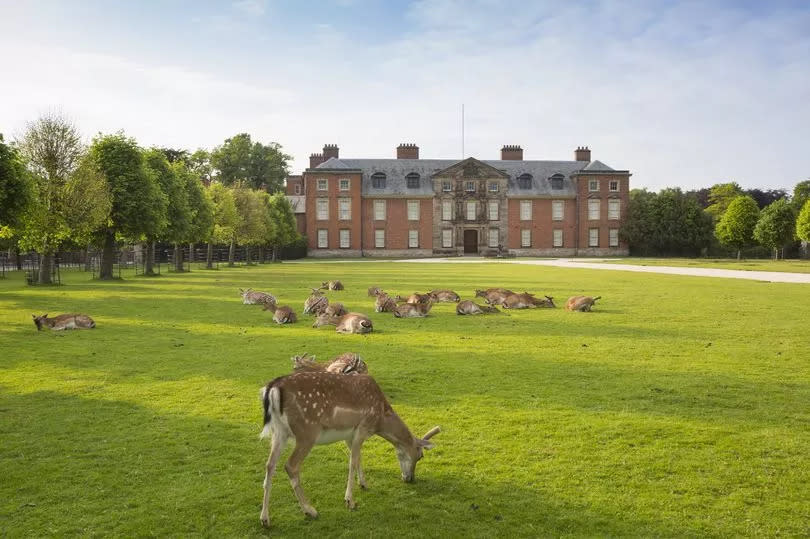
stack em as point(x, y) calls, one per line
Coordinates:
point(149, 261)
point(209, 256)
point(190, 252)
point(107, 256)
point(231, 252)
point(87, 258)
point(274, 253)
point(261, 254)
point(248, 261)
point(45, 264)
point(178, 258)
point(738, 254)
point(18, 258)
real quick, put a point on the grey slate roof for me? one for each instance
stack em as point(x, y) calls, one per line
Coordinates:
point(396, 170)
point(597, 166)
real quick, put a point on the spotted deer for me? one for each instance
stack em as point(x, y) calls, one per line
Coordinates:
point(416, 297)
point(346, 363)
point(63, 321)
point(335, 309)
point(331, 285)
point(526, 301)
point(319, 408)
point(254, 297)
point(444, 296)
point(412, 310)
point(384, 303)
point(316, 302)
point(281, 314)
point(374, 291)
point(348, 323)
point(469, 307)
point(581, 303)
point(494, 296)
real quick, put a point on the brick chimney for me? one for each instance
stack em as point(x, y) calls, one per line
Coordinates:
point(582, 153)
point(330, 150)
point(407, 151)
point(315, 159)
point(511, 153)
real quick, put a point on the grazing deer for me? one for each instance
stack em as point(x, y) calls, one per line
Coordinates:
point(527, 301)
point(348, 323)
point(581, 303)
point(281, 315)
point(412, 310)
point(347, 363)
point(331, 285)
point(444, 296)
point(316, 302)
point(384, 303)
point(494, 296)
point(317, 408)
point(63, 321)
point(254, 297)
point(416, 297)
point(374, 291)
point(469, 307)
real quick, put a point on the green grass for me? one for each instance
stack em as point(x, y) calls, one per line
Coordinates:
point(791, 266)
point(678, 407)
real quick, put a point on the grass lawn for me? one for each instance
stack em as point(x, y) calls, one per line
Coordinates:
point(678, 407)
point(791, 266)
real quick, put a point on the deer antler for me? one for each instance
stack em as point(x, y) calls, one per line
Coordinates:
point(432, 432)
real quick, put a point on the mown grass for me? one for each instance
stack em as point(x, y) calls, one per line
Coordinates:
point(678, 407)
point(790, 266)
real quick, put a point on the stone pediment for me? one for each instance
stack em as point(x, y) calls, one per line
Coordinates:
point(470, 168)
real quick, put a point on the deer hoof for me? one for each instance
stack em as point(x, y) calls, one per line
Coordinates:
point(265, 521)
point(311, 512)
point(351, 505)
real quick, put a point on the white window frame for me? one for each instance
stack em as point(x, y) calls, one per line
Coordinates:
point(557, 237)
point(297, 188)
point(594, 209)
point(613, 237)
point(344, 209)
point(348, 184)
point(323, 238)
point(614, 209)
point(447, 210)
point(493, 239)
point(526, 237)
point(493, 207)
point(611, 183)
point(593, 237)
point(593, 186)
point(447, 187)
point(322, 209)
point(557, 210)
point(447, 237)
point(380, 210)
point(379, 238)
point(413, 210)
point(345, 238)
point(323, 185)
point(413, 239)
point(467, 186)
point(525, 210)
point(493, 187)
point(471, 204)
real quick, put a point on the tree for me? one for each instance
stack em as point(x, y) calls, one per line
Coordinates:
point(16, 189)
point(736, 226)
point(720, 196)
point(801, 194)
point(225, 219)
point(202, 211)
point(136, 195)
point(240, 161)
point(71, 199)
point(283, 231)
point(200, 164)
point(803, 223)
point(171, 206)
point(174, 155)
point(252, 226)
point(766, 197)
point(637, 228)
point(776, 226)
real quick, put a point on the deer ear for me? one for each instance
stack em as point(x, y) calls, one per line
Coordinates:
point(34, 316)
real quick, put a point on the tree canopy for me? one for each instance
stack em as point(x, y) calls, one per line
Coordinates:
point(241, 161)
point(803, 223)
point(776, 225)
point(16, 188)
point(720, 196)
point(736, 226)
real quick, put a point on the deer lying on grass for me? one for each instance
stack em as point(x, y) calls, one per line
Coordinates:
point(63, 321)
point(444, 296)
point(581, 303)
point(527, 301)
point(412, 310)
point(384, 303)
point(254, 297)
point(321, 408)
point(316, 302)
point(281, 315)
point(469, 307)
point(331, 285)
point(347, 363)
point(335, 309)
point(416, 297)
point(374, 291)
point(348, 323)
point(494, 296)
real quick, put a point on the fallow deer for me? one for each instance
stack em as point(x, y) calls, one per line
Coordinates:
point(527, 301)
point(254, 297)
point(335, 309)
point(321, 408)
point(316, 302)
point(416, 297)
point(348, 323)
point(469, 307)
point(444, 296)
point(581, 303)
point(374, 291)
point(63, 321)
point(384, 303)
point(494, 296)
point(412, 310)
point(346, 363)
point(282, 314)
point(331, 285)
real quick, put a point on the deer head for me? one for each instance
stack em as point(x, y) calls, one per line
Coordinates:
point(40, 321)
point(409, 448)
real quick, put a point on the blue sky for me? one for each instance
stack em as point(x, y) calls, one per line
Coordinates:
point(681, 93)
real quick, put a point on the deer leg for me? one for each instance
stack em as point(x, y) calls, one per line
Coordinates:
point(354, 467)
point(293, 468)
point(276, 446)
point(361, 476)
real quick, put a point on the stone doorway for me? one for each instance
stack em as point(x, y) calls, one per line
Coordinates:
point(470, 242)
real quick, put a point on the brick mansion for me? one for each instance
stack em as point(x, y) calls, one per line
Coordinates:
point(412, 207)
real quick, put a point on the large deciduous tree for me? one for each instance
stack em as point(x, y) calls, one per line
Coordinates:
point(736, 226)
point(226, 219)
point(283, 230)
point(803, 223)
point(202, 211)
point(720, 196)
point(776, 226)
point(241, 161)
point(252, 227)
point(16, 189)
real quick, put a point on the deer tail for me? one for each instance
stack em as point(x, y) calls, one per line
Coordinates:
point(271, 404)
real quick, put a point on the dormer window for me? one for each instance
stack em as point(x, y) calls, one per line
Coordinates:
point(412, 180)
point(525, 181)
point(557, 181)
point(378, 180)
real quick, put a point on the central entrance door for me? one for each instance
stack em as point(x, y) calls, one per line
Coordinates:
point(471, 242)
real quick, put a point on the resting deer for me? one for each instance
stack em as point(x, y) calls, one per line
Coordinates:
point(384, 303)
point(581, 303)
point(526, 301)
point(444, 296)
point(494, 296)
point(63, 321)
point(416, 297)
point(254, 297)
point(335, 309)
point(412, 310)
point(331, 285)
point(317, 408)
point(316, 302)
point(281, 315)
point(347, 363)
point(469, 307)
point(348, 323)
point(374, 290)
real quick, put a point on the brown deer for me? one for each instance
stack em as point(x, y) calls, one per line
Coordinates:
point(527, 301)
point(335, 309)
point(348, 323)
point(347, 363)
point(316, 302)
point(444, 296)
point(254, 297)
point(581, 303)
point(412, 310)
point(416, 297)
point(469, 307)
point(331, 285)
point(374, 291)
point(63, 321)
point(317, 408)
point(494, 296)
point(281, 315)
point(384, 303)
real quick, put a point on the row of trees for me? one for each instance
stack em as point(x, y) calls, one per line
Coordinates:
point(673, 222)
point(54, 191)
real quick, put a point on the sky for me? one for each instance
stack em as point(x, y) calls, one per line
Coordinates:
point(682, 94)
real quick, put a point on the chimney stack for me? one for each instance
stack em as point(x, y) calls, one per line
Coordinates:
point(330, 150)
point(582, 153)
point(407, 151)
point(315, 159)
point(511, 153)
